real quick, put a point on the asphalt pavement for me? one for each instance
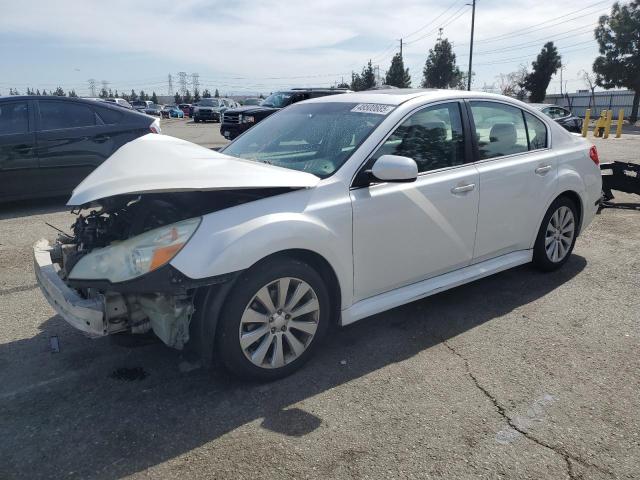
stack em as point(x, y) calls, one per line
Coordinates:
point(522, 375)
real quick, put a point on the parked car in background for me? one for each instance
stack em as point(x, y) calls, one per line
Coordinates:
point(251, 101)
point(209, 109)
point(141, 105)
point(153, 109)
point(186, 108)
point(49, 144)
point(331, 210)
point(561, 115)
point(171, 111)
point(121, 102)
point(237, 120)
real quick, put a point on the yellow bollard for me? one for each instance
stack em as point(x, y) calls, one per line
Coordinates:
point(607, 125)
point(620, 122)
point(585, 125)
point(597, 131)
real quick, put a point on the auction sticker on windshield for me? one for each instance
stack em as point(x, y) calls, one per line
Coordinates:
point(376, 108)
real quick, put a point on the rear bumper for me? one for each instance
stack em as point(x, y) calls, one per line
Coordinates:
point(84, 314)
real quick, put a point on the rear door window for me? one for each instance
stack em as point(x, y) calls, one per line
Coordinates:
point(14, 118)
point(500, 129)
point(56, 115)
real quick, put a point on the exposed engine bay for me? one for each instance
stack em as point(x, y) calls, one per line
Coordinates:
point(112, 220)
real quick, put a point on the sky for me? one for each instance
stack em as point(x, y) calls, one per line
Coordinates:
point(244, 46)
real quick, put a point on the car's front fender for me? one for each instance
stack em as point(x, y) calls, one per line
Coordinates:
point(236, 238)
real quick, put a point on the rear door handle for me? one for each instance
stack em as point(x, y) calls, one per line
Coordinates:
point(463, 188)
point(101, 138)
point(543, 170)
point(23, 149)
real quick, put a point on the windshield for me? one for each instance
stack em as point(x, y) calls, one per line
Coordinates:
point(278, 100)
point(208, 102)
point(317, 138)
point(252, 101)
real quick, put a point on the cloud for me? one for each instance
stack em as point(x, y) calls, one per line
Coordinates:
point(271, 38)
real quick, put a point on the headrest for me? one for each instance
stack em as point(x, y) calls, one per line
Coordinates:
point(503, 132)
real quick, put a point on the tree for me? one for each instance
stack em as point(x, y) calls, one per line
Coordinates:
point(619, 40)
point(397, 75)
point(544, 67)
point(115, 94)
point(512, 84)
point(44, 92)
point(59, 92)
point(186, 98)
point(440, 69)
point(177, 98)
point(216, 94)
point(72, 93)
point(343, 85)
point(364, 81)
point(133, 95)
point(38, 92)
point(206, 93)
point(103, 93)
point(143, 96)
point(196, 95)
point(589, 80)
point(154, 98)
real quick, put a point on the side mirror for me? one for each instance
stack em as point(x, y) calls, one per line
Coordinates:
point(394, 168)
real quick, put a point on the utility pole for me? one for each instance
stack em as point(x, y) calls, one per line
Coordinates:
point(170, 80)
point(92, 87)
point(473, 21)
point(195, 80)
point(561, 69)
point(182, 80)
point(400, 48)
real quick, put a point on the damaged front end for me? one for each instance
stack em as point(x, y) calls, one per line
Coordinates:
point(112, 274)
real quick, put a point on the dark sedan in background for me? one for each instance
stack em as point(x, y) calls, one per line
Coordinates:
point(49, 144)
point(561, 115)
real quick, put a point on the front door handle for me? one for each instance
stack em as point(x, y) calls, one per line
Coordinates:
point(543, 170)
point(463, 188)
point(101, 138)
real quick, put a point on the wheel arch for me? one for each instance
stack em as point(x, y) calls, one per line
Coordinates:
point(577, 200)
point(212, 299)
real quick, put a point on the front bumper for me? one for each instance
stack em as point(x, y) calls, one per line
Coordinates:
point(206, 115)
point(85, 314)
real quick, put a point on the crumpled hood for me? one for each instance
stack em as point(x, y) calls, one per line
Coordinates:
point(160, 163)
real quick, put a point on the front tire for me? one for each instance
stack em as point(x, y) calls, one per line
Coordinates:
point(557, 235)
point(273, 320)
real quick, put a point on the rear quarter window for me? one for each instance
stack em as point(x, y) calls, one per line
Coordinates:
point(108, 115)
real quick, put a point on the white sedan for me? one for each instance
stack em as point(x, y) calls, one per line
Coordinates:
point(331, 210)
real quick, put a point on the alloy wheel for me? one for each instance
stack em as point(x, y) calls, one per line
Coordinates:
point(279, 322)
point(559, 235)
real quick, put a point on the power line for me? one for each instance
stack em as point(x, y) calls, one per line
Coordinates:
point(431, 22)
point(446, 22)
point(533, 28)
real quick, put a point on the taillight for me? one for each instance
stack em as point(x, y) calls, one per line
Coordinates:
point(593, 153)
point(155, 126)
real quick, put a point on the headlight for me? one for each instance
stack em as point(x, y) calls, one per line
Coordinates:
point(247, 118)
point(137, 255)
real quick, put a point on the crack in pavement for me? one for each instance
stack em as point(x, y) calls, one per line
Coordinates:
point(566, 456)
point(22, 288)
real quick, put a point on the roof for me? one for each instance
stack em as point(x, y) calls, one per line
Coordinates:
point(396, 96)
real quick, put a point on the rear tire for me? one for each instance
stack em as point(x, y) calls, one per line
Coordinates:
point(273, 320)
point(557, 235)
